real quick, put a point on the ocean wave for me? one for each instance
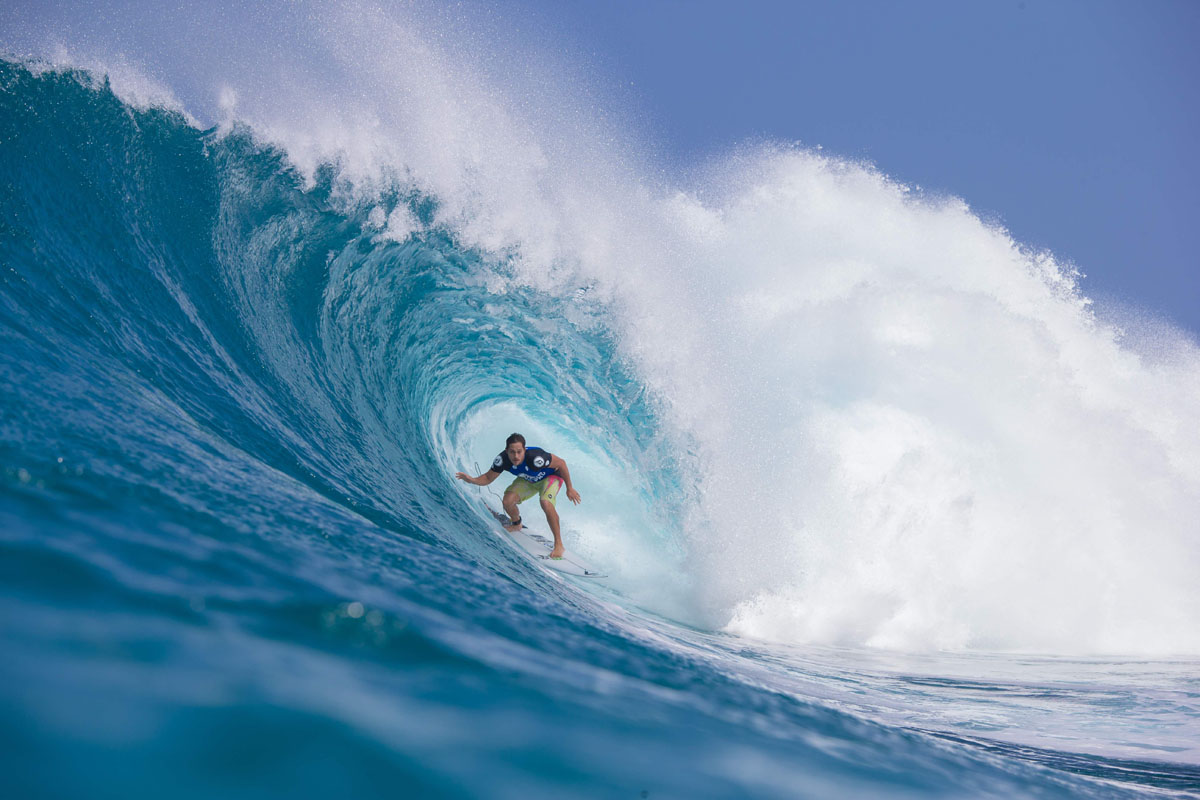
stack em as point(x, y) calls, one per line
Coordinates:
point(806, 405)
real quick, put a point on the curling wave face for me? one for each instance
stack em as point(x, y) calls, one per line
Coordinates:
point(848, 413)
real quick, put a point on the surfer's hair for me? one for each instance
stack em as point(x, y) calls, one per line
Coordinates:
point(516, 437)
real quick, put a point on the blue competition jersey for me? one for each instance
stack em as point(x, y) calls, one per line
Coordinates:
point(534, 468)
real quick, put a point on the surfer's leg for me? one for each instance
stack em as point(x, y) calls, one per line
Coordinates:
point(549, 494)
point(517, 491)
point(552, 519)
point(509, 501)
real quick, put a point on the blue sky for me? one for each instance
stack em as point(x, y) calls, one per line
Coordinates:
point(1074, 123)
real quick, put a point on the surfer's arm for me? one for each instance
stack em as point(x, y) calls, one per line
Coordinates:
point(560, 466)
point(482, 480)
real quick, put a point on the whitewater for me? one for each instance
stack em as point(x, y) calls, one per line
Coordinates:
point(888, 506)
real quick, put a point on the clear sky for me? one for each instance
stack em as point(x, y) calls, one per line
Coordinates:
point(1075, 123)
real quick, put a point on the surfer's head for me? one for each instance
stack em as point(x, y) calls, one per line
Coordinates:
point(515, 447)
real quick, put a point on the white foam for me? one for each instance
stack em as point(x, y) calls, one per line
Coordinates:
point(915, 434)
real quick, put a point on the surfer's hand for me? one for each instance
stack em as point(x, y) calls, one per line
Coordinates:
point(573, 496)
point(462, 476)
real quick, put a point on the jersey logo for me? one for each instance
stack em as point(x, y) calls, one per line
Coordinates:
point(539, 461)
point(498, 461)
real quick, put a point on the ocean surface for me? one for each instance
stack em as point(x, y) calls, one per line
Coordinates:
point(888, 510)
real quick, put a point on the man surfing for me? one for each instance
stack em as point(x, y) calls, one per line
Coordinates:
point(538, 473)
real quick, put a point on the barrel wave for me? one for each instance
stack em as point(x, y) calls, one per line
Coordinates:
point(240, 366)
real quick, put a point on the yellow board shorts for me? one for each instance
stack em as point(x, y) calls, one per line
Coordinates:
point(547, 487)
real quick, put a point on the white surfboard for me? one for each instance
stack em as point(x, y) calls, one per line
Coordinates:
point(540, 547)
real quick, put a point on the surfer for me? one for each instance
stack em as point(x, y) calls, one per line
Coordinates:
point(538, 473)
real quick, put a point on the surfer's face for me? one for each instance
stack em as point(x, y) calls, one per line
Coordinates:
point(516, 452)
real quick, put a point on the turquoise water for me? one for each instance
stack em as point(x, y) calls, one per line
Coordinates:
point(235, 562)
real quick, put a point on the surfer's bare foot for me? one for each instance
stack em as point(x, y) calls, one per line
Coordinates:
point(556, 552)
point(513, 527)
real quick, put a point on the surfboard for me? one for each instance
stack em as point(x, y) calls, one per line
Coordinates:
point(539, 547)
